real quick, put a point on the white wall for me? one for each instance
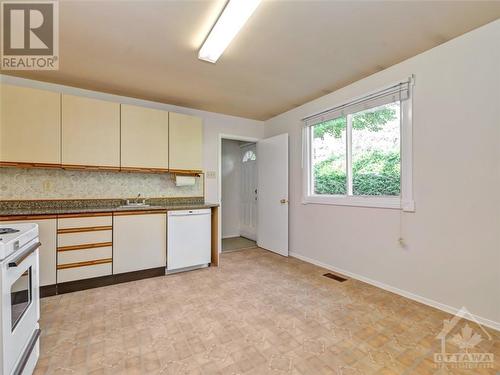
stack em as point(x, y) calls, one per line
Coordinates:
point(231, 188)
point(214, 124)
point(452, 257)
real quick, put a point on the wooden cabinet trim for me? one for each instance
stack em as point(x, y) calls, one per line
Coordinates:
point(185, 171)
point(93, 214)
point(90, 167)
point(84, 229)
point(129, 213)
point(14, 164)
point(27, 217)
point(85, 246)
point(144, 170)
point(84, 264)
point(215, 237)
point(77, 167)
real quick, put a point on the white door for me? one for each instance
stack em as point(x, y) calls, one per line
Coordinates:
point(248, 209)
point(272, 221)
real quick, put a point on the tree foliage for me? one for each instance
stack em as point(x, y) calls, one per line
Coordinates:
point(374, 173)
point(372, 120)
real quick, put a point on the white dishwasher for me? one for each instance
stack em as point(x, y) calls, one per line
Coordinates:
point(188, 239)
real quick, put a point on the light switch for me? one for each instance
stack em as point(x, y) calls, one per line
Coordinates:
point(211, 174)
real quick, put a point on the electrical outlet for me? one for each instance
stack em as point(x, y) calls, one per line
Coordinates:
point(211, 174)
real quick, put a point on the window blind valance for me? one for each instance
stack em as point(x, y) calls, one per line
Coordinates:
point(400, 91)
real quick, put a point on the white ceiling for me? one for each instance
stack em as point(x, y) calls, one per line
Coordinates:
point(288, 53)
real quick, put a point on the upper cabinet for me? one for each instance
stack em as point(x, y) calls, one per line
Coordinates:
point(44, 128)
point(90, 132)
point(144, 138)
point(185, 142)
point(30, 125)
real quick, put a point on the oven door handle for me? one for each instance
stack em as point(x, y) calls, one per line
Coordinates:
point(27, 353)
point(22, 256)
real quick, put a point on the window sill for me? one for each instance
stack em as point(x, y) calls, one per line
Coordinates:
point(370, 202)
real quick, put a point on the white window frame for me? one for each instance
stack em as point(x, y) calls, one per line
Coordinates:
point(404, 201)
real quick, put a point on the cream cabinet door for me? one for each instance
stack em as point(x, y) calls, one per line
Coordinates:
point(90, 132)
point(47, 233)
point(139, 242)
point(30, 125)
point(144, 137)
point(186, 142)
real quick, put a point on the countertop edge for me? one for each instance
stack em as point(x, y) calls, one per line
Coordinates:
point(18, 214)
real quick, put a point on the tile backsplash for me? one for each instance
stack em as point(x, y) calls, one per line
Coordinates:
point(18, 184)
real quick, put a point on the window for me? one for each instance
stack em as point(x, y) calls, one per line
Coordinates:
point(354, 153)
point(249, 155)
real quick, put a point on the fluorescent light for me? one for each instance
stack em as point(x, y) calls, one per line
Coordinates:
point(232, 19)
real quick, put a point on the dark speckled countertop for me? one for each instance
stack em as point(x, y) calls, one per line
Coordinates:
point(59, 207)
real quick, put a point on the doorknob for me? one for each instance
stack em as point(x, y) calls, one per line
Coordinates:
point(284, 201)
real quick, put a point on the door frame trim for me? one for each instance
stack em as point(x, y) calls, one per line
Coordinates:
point(232, 137)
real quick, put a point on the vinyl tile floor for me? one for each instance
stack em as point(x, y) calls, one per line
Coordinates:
point(258, 313)
point(237, 243)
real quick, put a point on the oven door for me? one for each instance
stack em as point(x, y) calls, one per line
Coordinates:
point(20, 303)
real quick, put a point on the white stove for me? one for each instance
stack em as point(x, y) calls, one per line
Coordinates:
point(20, 300)
point(15, 236)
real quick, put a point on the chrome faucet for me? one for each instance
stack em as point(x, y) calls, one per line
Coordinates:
point(136, 202)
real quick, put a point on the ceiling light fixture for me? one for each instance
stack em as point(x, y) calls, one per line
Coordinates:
point(232, 19)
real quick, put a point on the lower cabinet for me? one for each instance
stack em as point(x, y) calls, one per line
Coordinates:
point(81, 251)
point(85, 271)
point(139, 241)
point(47, 252)
point(84, 246)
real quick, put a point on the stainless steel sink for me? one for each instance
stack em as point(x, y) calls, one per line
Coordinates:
point(135, 205)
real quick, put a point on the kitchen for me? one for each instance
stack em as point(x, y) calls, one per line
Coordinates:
point(56, 141)
point(195, 187)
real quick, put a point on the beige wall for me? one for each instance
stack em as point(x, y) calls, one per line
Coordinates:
point(452, 258)
point(214, 124)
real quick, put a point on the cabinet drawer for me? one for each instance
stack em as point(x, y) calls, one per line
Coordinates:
point(83, 238)
point(84, 255)
point(83, 272)
point(84, 221)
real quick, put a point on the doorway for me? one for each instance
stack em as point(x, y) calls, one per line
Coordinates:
point(238, 194)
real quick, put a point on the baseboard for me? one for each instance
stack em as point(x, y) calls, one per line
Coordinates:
point(48, 290)
point(231, 236)
point(426, 301)
point(97, 282)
